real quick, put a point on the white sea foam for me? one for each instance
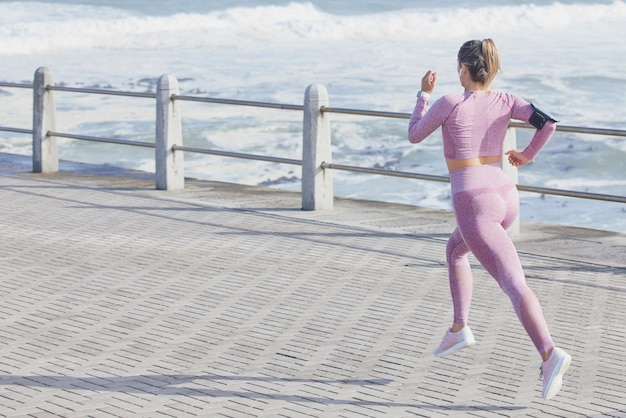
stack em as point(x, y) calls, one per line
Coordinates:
point(58, 27)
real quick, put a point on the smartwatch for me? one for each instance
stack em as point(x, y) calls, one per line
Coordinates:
point(423, 94)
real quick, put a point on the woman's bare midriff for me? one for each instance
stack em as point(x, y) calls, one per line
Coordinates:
point(471, 162)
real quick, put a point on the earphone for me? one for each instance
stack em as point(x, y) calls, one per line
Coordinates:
point(461, 72)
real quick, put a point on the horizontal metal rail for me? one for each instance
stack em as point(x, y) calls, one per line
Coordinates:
point(446, 179)
point(396, 115)
point(345, 111)
point(404, 174)
point(575, 129)
point(237, 155)
point(17, 85)
point(16, 130)
point(101, 91)
point(572, 193)
point(99, 139)
point(237, 102)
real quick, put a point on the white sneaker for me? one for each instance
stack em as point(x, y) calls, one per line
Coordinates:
point(552, 371)
point(454, 341)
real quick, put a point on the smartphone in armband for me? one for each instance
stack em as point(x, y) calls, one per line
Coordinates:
point(539, 118)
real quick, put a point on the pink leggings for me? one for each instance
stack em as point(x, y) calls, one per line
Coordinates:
point(485, 203)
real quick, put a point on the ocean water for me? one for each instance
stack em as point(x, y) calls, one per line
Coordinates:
point(568, 57)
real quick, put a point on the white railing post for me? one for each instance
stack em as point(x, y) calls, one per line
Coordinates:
point(510, 142)
point(45, 153)
point(317, 183)
point(170, 170)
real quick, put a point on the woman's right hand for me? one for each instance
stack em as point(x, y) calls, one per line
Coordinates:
point(428, 81)
point(516, 158)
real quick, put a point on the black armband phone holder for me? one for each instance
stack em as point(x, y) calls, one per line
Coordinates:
point(539, 118)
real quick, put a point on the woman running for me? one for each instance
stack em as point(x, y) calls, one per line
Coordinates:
point(484, 199)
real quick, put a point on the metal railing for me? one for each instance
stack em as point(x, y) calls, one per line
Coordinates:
point(101, 139)
point(323, 110)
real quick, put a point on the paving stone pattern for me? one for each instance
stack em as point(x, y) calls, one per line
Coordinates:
point(118, 300)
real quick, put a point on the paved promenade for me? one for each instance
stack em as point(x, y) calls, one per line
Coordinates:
point(118, 300)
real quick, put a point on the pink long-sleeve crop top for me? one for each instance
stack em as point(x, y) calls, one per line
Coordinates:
point(474, 124)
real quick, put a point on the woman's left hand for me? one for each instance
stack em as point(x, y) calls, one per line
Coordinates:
point(516, 158)
point(428, 81)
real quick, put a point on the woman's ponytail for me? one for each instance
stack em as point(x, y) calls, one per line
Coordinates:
point(492, 60)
